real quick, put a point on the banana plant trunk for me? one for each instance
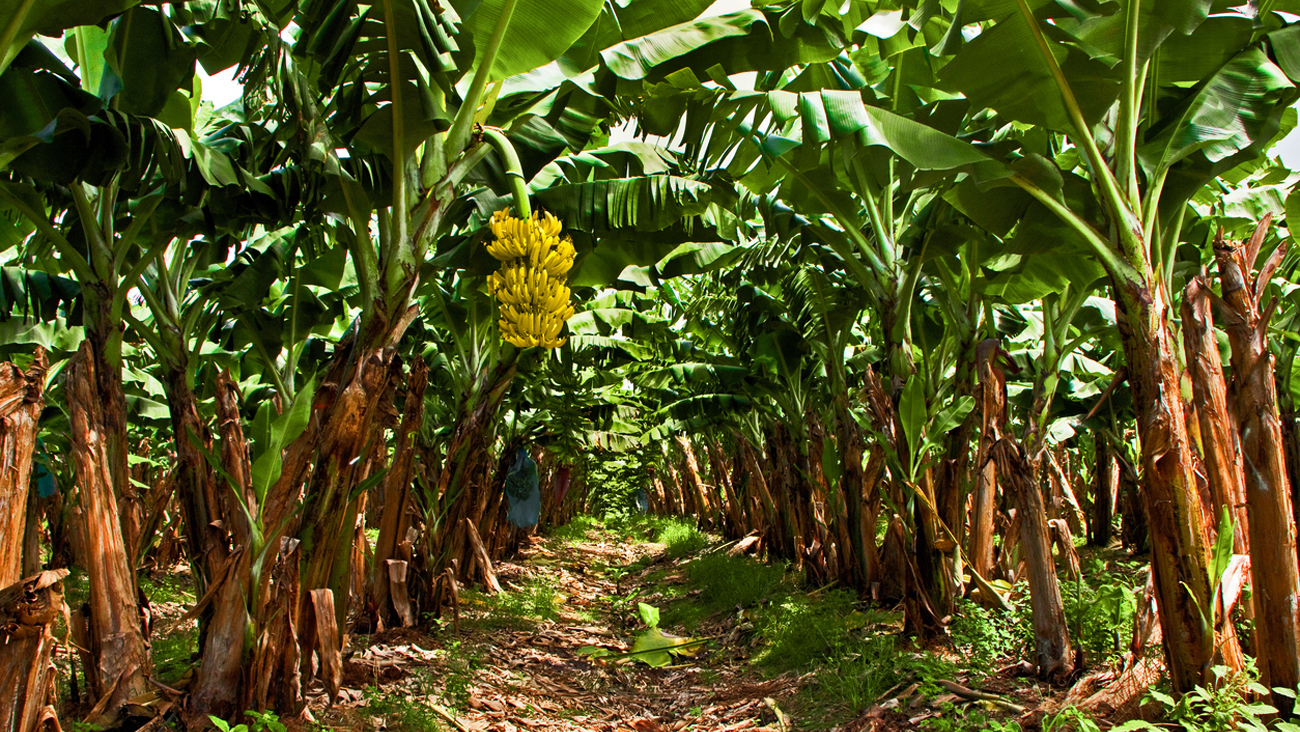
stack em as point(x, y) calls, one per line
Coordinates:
point(992, 406)
point(1105, 480)
point(1019, 474)
point(219, 687)
point(465, 478)
point(355, 397)
point(22, 396)
point(1220, 449)
point(1275, 581)
point(29, 611)
point(1179, 547)
point(119, 654)
point(395, 518)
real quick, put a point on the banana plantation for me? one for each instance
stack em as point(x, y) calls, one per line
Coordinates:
point(649, 365)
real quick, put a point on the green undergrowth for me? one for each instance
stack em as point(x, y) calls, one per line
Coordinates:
point(854, 650)
point(173, 645)
point(520, 606)
point(680, 535)
point(399, 714)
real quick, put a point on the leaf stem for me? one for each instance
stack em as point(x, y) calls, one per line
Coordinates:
point(1103, 177)
point(1114, 262)
point(76, 262)
point(460, 128)
point(10, 33)
point(397, 238)
point(1130, 97)
point(514, 169)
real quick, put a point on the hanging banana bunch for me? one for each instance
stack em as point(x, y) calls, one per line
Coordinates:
point(530, 285)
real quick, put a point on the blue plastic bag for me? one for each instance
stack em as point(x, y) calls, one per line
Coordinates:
point(522, 493)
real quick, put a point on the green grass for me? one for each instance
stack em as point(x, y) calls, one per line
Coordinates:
point(533, 601)
point(680, 537)
point(576, 529)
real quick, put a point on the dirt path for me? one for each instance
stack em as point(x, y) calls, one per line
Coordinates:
point(515, 661)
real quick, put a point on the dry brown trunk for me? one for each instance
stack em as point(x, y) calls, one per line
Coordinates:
point(695, 486)
point(1179, 548)
point(732, 509)
point(1220, 450)
point(397, 495)
point(32, 535)
point(992, 406)
point(756, 483)
point(1053, 654)
point(1268, 495)
point(22, 396)
point(117, 645)
point(1104, 481)
point(218, 689)
point(28, 612)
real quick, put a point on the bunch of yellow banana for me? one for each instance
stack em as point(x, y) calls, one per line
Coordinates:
point(530, 284)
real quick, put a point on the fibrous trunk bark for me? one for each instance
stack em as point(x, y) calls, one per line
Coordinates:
point(118, 651)
point(1052, 652)
point(1220, 449)
point(28, 612)
point(395, 518)
point(992, 405)
point(1268, 495)
point(1179, 548)
point(1105, 480)
point(22, 396)
point(219, 688)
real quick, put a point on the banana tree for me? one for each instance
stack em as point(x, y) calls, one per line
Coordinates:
point(1166, 144)
point(1123, 209)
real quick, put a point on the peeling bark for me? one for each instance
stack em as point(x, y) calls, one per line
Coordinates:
point(1179, 547)
point(218, 688)
point(992, 405)
point(1268, 493)
point(1220, 449)
point(1052, 652)
point(117, 644)
point(395, 516)
point(28, 612)
point(22, 396)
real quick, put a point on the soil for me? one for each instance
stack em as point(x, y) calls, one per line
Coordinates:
point(498, 670)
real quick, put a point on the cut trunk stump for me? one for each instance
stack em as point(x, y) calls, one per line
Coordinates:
point(28, 610)
point(481, 557)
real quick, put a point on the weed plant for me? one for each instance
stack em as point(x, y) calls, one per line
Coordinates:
point(726, 582)
point(984, 636)
point(577, 528)
point(399, 714)
point(801, 632)
point(966, 719)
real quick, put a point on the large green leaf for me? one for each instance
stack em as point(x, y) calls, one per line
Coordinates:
point(625, 21)
point(734, 43)
point(838, 114)
point(1224, 115)
point(150, 59)
point(1004, 70)
point(1103, 34)
point(51, 18)
point(912, 413)
point(647, 203)
point(538, 33)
